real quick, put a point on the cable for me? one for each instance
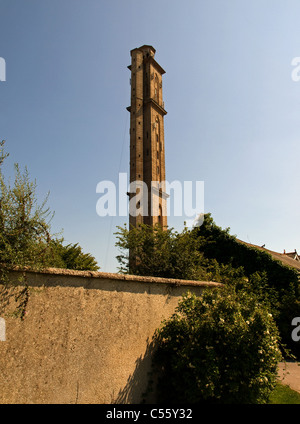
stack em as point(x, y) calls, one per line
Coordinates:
point(116, 182)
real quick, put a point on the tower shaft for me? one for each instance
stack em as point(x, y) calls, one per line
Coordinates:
point(147, 145)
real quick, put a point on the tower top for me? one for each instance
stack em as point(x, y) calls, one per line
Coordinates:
point(146, 49)
point(148, 55)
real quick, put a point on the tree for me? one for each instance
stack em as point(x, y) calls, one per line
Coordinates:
point(71, 256)
point(218, 244)
point(275, 284)
point(25, 232)
point(160, 253)
point(24, 225)
point(210, 253)
point(222, 347)
point(169, 254)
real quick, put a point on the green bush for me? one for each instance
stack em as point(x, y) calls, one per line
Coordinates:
point(210, 253)
point(71, 256)
point(25, 231)
point(222, 347)
point(159, 252)
point(275, 283)
point(218, 244)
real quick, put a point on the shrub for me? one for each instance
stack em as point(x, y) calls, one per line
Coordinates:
point(218, 244)
point(71, 256)
point(160, 253)
point(278, 286)
point(222, 347)
point(25, 231)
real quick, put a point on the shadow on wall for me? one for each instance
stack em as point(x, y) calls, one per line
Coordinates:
point(140, 385)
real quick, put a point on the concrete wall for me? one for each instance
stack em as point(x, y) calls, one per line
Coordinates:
point(82, 337)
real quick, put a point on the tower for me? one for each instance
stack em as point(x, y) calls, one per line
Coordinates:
point(147, 145)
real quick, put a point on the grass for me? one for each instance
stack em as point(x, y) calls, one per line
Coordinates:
point(284, 395)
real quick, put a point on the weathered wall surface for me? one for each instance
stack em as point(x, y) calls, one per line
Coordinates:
point(82, 337)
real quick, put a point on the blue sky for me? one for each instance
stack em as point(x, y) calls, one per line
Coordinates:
point(233, 109)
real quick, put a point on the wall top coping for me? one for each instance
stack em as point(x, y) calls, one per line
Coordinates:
point(115, 276)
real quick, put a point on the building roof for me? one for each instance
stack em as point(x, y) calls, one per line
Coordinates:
point(294, 255)
point(282, 257)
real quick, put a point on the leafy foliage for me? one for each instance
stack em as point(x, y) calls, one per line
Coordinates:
point(24, 225)
point(161, 253)
point(218, 244)
point(222, 347)
point(212, 254)
point(25, 232)
point(275, 284)
point(71, 256)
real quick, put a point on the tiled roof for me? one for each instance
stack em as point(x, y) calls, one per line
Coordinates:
point(284, 258)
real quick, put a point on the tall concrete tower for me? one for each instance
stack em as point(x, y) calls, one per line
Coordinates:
point(147, 145)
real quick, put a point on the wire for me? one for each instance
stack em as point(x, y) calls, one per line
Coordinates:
point(116, 183)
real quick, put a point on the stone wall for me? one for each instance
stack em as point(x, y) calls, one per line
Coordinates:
point(82, 337)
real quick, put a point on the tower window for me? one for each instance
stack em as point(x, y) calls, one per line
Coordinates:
point(160, 215)
point(156, 85)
